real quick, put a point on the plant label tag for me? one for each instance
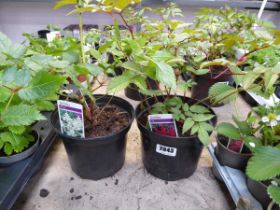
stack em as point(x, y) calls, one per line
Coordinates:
point(226, 82)
point(168, 151)
point(163, 124)
point(71, 118)
point(235, 145)
point(53, 35)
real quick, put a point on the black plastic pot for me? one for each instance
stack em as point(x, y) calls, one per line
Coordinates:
point(165, 157)
point(8, 160)
point(204, 82)
point(96, 158)
point(259, 191)
point(230, 158)
point(133, 93)
point(43, 33)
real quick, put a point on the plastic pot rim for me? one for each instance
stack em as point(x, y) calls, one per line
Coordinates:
point(99, 138)
point(230, 151)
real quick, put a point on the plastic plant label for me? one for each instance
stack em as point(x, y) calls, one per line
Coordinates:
point(168, 151)
point(52, 35)
point(163, 124)
point(71, 118)
point(226, 82)
point(235, 145)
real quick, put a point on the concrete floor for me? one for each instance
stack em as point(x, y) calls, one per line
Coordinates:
point(56, 187)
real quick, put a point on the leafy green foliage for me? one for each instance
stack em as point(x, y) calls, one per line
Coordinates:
point(222, 93)
point(195, 118)
point(228, 130)
point(274, 193)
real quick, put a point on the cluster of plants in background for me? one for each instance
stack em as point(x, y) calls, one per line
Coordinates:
point(27, 87)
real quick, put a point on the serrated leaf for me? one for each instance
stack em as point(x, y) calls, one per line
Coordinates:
point(194, 129)
point(120, 82)
point(199, 109)
point(229, 130)
point(188, 123)
point(222, 93)
point(44, 106)
point(274, 193)
point(165, 74)
point(8, 149)
point(43, 85)
point(202, 117)
point(203, 136)
point(265, 164)
point(17, 129)
point(5, 94)
point(21, 115)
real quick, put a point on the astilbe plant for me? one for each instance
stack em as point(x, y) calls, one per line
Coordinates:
point(26, 89)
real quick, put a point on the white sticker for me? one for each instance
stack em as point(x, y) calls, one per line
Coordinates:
point(168, 151)
point(52, 35)
point(226, 83)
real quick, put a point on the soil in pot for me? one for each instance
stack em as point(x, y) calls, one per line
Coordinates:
point(15, 157)
point(133, 93)
point(168, 158)
point(204, 82)
point(227, 157)
point(102, 152)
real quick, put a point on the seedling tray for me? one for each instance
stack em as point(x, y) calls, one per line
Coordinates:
point(254, 100)
point(235, 181)
point(14, 178)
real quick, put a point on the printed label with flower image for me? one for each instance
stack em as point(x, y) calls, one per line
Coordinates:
point(71, 118)
point(163, 124)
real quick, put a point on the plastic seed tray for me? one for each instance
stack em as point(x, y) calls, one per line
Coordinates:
point(255, 100)
point(14, 177)
point(234, 180)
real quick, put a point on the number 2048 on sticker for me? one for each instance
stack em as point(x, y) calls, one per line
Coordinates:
point(164, 150)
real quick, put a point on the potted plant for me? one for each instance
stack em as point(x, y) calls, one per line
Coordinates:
point(25, 93)
point(216, 34)
point(155, 53)
point(107, 119)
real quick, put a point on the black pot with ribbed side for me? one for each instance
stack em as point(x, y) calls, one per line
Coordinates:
point(133, 93)
point(231, 158)
point(100, 157)
point(168, 158)
point(259, 191)
point(204, 82)
point(9, 160)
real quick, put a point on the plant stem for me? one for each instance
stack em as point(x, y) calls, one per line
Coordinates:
point(82, 37)
point(10, 100)
point(126, 25)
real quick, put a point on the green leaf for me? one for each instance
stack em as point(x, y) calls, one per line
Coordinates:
point(265, 164)
point(202, 117)
point(206, 126)
point(222, 93)
point(21, 115)
point(194, 129)
point(63, 3)
point(43, 85)
point(165, 74)
point(44, 106)
point(199, 109)
point(186, 107)
point(8, 149)
point(9, 75)
point(228, 130)
point(187, 125)
point(120, 82)
point(17, 129)
point(203, 136)
point(274, 193)
point(5, 94)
